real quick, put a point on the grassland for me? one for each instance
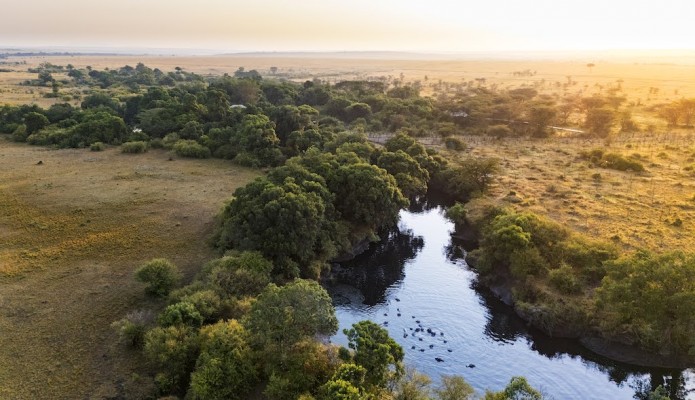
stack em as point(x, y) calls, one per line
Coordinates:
point(654, 209)
point(73, 229)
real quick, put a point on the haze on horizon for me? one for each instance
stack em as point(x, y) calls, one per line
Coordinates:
point(358, 25)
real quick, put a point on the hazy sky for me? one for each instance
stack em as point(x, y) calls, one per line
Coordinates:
point(397, 25)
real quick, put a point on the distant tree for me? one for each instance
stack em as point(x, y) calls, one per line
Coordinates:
point(539, 118)
point(101, 100)
point(273, 70)
point(599, 121)
point(590, 66)
point(35, 122)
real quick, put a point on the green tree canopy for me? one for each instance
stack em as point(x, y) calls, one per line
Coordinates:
point(375, 351)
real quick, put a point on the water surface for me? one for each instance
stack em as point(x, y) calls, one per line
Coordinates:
point(416, 284)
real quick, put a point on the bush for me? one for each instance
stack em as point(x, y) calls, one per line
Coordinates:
point(181, 313)
point(191, 148)
point(131, 329)
point(160, 275)
point(454, 143)
point(563, 279)
point(134, 147)
point(97, 146)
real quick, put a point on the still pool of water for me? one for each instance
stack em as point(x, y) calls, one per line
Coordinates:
point(416, 284)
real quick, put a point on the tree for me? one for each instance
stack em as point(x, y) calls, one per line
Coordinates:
point(256, 137)
point(376, 351)
point(283, 221)
point(160, 275)
point(590, 66)
point(282, 316)
point(600, 121)
point(243, 274)
point(649, 299)
point(412, 179)
point(225, 368)
point(517, 389)
point(35, 122)
point(540, 117)
point(454, 388)
point(173, 351)
point(366, 195)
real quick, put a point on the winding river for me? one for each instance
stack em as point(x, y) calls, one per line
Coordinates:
point(417, 285)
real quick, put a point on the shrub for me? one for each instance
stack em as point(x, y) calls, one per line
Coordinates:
point(160, 275)
point(181, 313)
point(457, 213)
point(191, 148)
point(563, 279)
point(97, 146)
point(134, 147)
point(454, 143)
point(131, 329)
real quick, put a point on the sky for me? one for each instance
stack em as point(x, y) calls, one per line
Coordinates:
point(436, 26)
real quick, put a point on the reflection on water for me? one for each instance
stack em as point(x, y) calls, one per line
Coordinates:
point(416, 284)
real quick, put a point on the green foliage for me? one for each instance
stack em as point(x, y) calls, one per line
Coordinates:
point(191, 148)
point(412, 386)
point(366, 195)
point(284, 315)
point(286, 222)
point(181, 313)
point(411, 178)
point(612, 161)
point(470, 178)
point(34, 122)
point(173, 350)
point(97, 146)
point(564, 280)
point(131, 329)
point(376, 351)
point(244, 274)
point(134, 147)
point(649, 299)
point(160, 276)
point(454, 143)
point(517, 389)
point(205, 302)
point(457, 213)
point(454, 388)
point(256, 137)
point(225, 368)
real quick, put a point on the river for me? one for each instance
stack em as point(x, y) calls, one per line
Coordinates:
point(417, 285)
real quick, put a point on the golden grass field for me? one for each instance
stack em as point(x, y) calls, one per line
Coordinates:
point(73, 230)
point(632, 210)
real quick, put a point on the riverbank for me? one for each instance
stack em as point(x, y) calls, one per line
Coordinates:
point(538, 300)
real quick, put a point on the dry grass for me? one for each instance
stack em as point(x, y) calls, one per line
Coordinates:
point(72, 230)
point(632, 210)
